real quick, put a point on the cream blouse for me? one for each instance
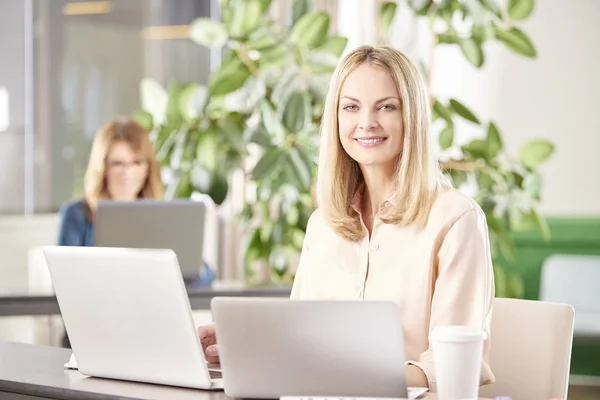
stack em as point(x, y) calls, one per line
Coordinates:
point(440, 274)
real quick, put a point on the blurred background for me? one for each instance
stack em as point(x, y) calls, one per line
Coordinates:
point(231, 92)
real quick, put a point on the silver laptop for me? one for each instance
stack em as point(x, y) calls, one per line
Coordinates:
point(128, 316)
point(155, 224)
point(272, 348)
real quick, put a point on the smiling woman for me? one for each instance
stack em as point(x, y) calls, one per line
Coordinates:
point(388, 225)
point(378, 107)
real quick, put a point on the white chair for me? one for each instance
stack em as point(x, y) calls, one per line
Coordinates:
point(531, 349)
point(575, 280)
point(18, 235)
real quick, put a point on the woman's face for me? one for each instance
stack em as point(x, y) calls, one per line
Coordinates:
point(370, 118)
point(126, 172)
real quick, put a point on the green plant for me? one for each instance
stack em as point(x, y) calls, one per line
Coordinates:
point(261, 108)
point(259, 113)
point(508, 188)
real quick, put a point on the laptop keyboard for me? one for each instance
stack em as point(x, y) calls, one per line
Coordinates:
point(215, 374)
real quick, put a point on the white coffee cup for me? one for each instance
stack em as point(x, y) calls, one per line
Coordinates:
point(457, 355)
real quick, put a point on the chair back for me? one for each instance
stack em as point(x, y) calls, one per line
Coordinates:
point(531, 349)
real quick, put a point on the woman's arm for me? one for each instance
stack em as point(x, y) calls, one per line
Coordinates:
point(72, 225)
point(300, 288)
point(464, 289)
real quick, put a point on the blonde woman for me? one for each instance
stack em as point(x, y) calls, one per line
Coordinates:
point(388, 225)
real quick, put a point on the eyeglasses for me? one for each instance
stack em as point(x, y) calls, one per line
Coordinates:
point(118, 165)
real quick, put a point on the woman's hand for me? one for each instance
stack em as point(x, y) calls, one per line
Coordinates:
point(416, 377)
point(208, 339)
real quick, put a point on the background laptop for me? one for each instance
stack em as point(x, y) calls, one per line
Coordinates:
point(128, 315)
point(272, 348)
point(154, 224)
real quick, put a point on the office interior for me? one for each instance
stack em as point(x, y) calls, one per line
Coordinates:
point(69, 66)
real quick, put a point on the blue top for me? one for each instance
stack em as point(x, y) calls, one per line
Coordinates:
point(77, 230)
point(75, 227)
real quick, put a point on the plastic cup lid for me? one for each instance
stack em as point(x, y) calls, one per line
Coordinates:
point(457, 333)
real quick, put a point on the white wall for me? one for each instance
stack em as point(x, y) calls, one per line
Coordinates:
point(551, 97)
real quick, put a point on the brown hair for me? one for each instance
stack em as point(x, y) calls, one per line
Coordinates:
point(128, 131)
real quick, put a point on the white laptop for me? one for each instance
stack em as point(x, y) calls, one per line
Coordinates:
point(128, 315)
point(280, 348)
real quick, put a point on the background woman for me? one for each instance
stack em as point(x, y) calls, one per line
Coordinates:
point(122, 167)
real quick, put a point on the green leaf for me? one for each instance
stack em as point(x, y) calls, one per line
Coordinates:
point(310, 30)
point(229, 78)
point(298, 168)
point(196, 104)
point(448, 38)
point(208, 32)
point(174, 116)
point(200, 178)
point(458, 177)
point(260, 137)
point(472, 51)
point(274, 57)
point(219, 187)
point(442, 111)
point(334, 45)
point(491, 6)
point(387, 12)
point(233, 132)
point(271, 122)
point(144, 118)
point(299, 9)
point(535, 152)
point(268, 163)
point(532, 184)
point(516, 40)
point(246, 17)
point(207, 149)
point(484, 180)
point(292, 216)
point(446, 137)
point(494, 140)
point(183, 138)
point(477, 148)
point(265, 5)
point(261, 39)
point(185, 108)
point(520, 9)
point(463, 111)
point(297, 112)
point(426, 7)
point(481, 33)
point(184, 187)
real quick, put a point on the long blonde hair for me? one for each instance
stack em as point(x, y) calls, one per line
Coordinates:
point(128, 131)
point(418, 174)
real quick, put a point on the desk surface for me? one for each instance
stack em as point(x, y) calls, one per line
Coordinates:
point(30, 370)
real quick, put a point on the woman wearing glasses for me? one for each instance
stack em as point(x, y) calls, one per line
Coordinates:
point(122, 167)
